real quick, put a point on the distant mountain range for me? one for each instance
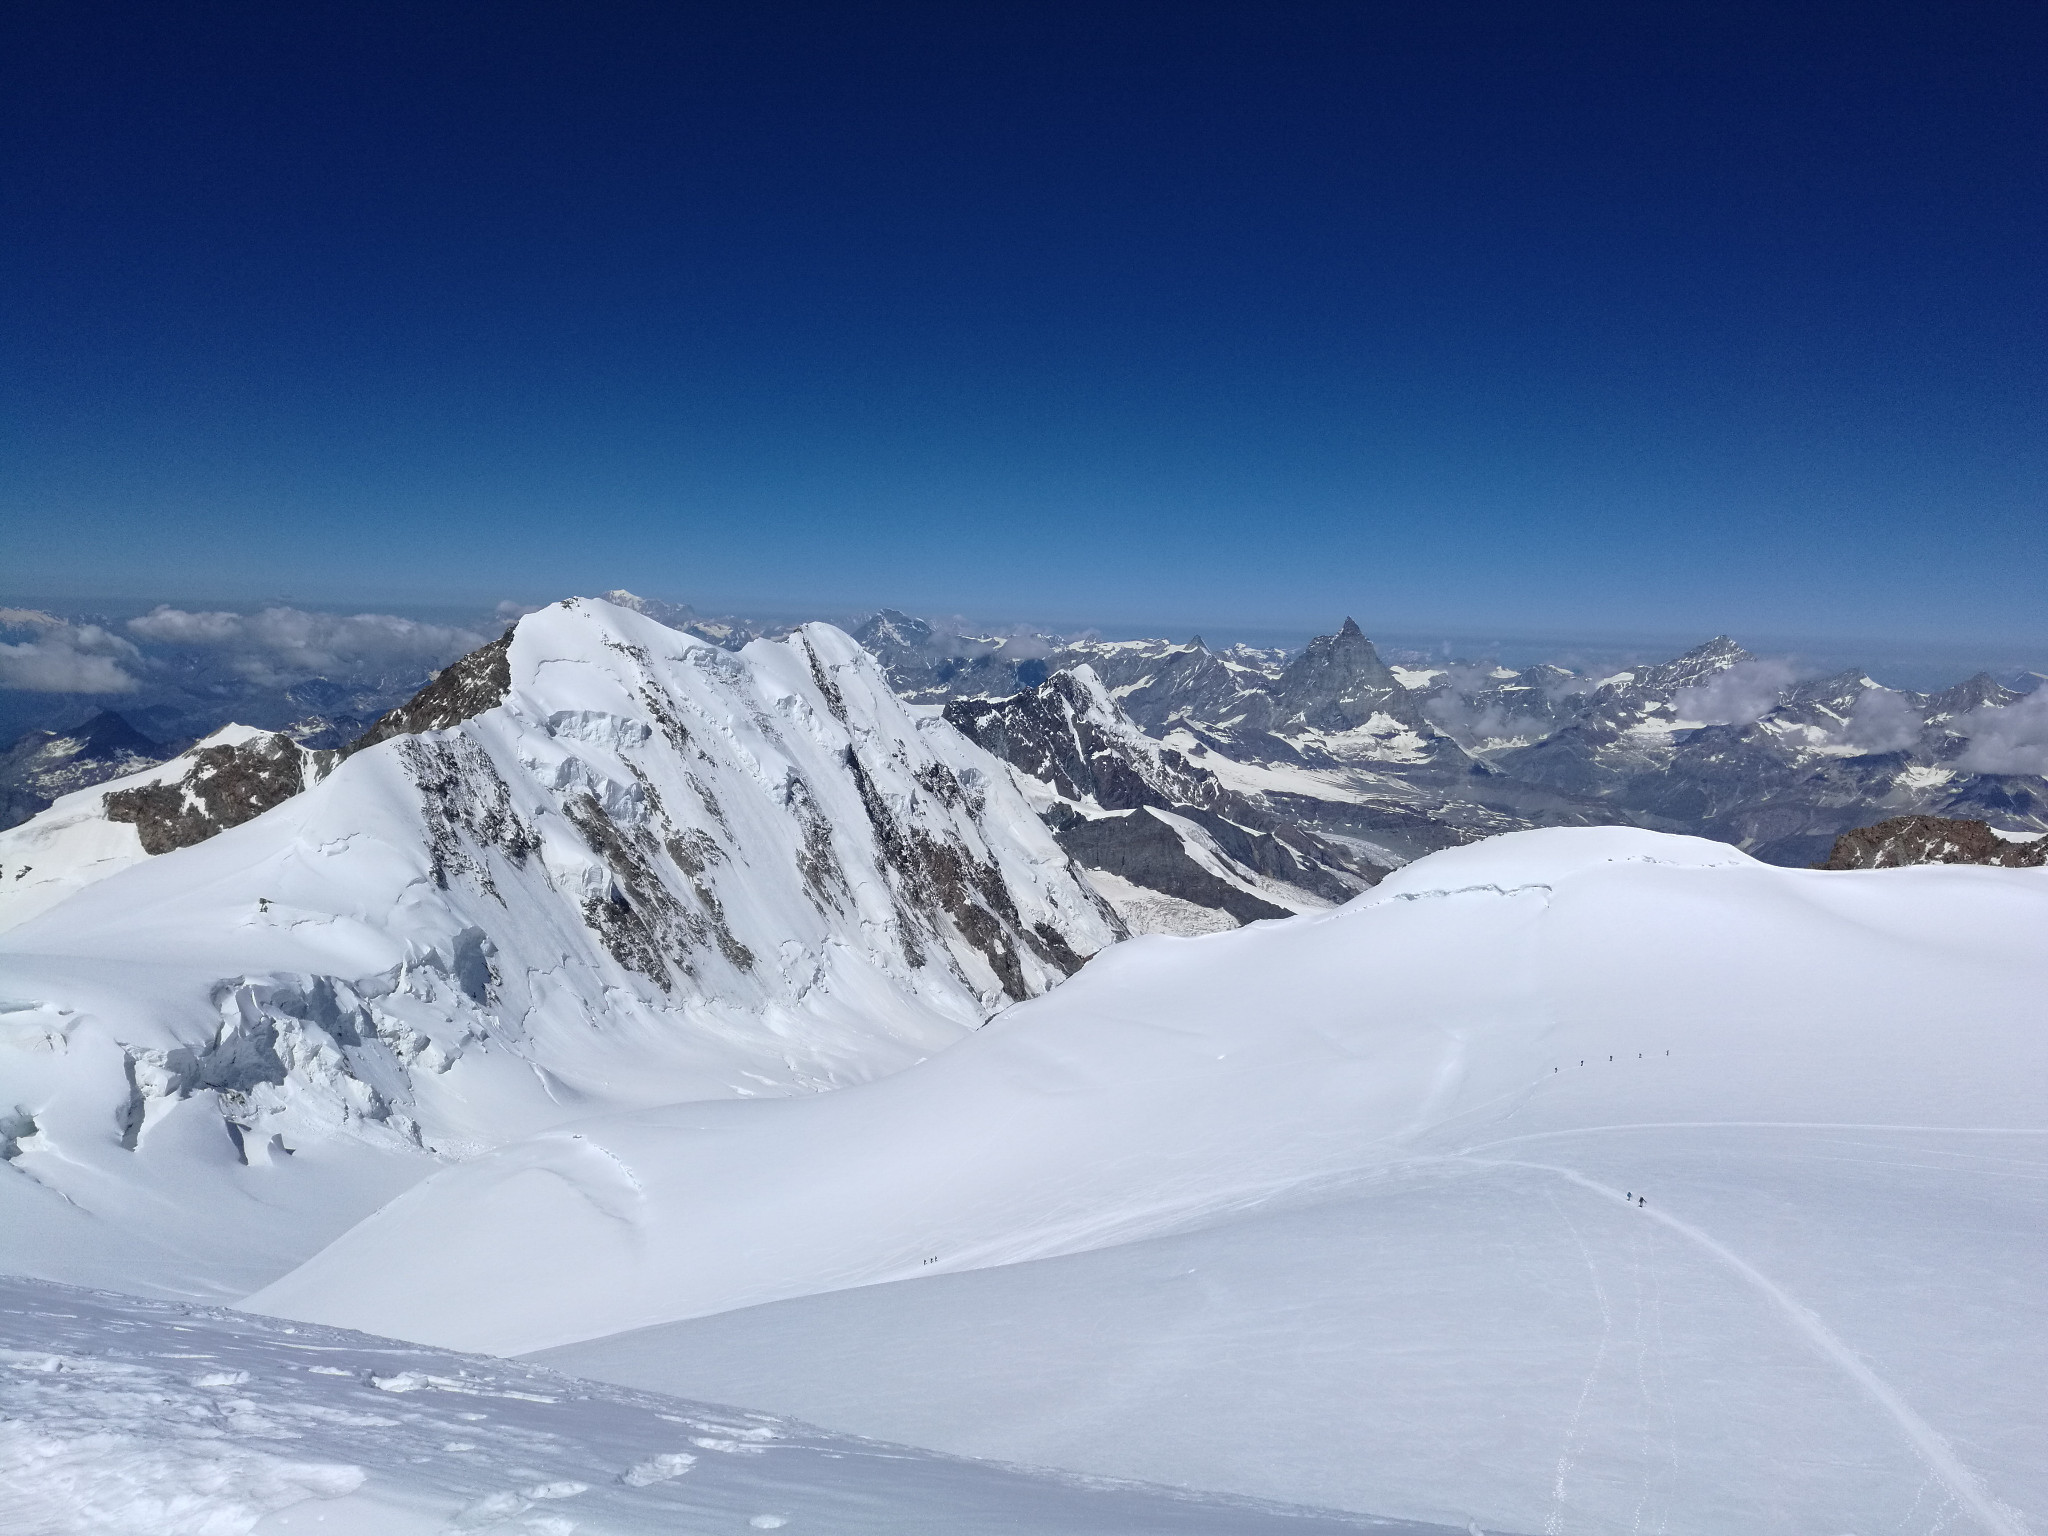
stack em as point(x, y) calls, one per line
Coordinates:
point(1399, 760)
point(1281, 776)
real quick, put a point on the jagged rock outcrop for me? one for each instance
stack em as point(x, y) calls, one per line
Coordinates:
point(459, 692)
point(1068, 733)
point(227, 779)
point(223, 786)
point(1903, 840)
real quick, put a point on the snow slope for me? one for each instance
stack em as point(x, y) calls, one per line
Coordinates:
point(122, 1417)
point(61, 850)
point(1329, 1209)
point(624, 867)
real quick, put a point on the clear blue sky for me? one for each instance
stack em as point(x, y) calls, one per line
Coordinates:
point(1501, 318)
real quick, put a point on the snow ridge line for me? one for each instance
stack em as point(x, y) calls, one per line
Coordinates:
point(1457, 890)
point(1932, 1447)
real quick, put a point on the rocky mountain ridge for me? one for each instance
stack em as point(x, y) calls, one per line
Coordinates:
point(1403, 759)
point(1134, 812)
point(644, 870)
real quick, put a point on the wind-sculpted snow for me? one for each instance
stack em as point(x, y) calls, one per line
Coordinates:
point(123, 1417)
point(619, 866)
point(1350, 1209)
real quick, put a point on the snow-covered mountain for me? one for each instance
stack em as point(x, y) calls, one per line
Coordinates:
point(1401, 760)
point(1161, 837)
point(598, 863)
point(1583, 1180)
point(230, 777)
point(44, 766)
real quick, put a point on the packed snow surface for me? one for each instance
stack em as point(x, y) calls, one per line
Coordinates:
point(1579, 1180)
point(123, 1417)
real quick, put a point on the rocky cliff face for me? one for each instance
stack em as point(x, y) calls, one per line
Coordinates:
point(223, 785)
point(1903, 840)
point(1145, 816)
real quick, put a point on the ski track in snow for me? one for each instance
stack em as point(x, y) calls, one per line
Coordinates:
point(1553, 1523)
point(1931, 1446)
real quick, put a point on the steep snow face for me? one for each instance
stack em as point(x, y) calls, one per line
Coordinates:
point(642, 870)
point(230, 777)
point(1346, 1209)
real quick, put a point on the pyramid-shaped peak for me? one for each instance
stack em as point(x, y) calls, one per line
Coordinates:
point(1720, 645)
point(1350, 628)
point(1195, 644)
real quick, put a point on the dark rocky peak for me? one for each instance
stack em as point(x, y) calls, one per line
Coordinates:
point(107, 734)
point(1904, 840)
point(1195, 644)
point(225, 785)
point(1973, 693)
point(104, 735)
point(460, 691)
point(1339, 682)
point(1069, 733)
point(43, 765)
point(893, 628)
point(1696, 666)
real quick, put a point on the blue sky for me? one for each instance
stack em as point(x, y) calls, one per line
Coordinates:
point(1486, 319)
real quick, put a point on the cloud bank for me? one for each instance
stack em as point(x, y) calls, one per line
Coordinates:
point(2013, 739)
point(280, 646)
point(1882, 721)
point(54, 656)
point(1743, 693)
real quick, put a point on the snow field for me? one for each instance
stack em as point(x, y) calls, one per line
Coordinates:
point(1345, 1195)
point(124, 1417)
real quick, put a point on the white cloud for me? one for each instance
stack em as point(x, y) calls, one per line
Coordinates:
point(1882, 721)
point(2009, 740)
point(1744, 692)
point(279, 646)
point(58, 657)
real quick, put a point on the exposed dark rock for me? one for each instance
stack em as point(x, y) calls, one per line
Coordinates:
point(1339, 683)
point(466, 809)
point(1906, 840)
point(1062, 733)
point(1147, 850)
point(224, 787)
point(461, 691)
